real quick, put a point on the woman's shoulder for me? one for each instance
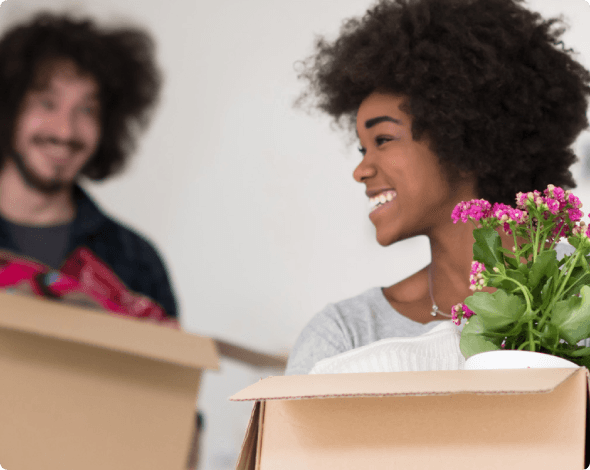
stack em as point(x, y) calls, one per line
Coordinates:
point(343, 315)
point(338, 327)
point(366, 301)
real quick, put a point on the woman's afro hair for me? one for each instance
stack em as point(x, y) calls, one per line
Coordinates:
point(121, 60)
point(489, 82)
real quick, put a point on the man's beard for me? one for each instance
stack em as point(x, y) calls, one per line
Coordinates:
point(45, 186)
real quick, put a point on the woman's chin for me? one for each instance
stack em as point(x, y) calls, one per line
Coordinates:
point(386, 239)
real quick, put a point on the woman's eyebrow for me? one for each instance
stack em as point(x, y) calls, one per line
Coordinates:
point(376, 120)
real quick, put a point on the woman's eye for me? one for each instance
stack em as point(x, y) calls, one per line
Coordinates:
point(382, 140)
point(362, 150)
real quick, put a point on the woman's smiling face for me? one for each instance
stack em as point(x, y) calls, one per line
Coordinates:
point(407, 187)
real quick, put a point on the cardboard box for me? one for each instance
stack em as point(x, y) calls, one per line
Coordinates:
point(251, 357)
point(459, 420)
point(83, 389)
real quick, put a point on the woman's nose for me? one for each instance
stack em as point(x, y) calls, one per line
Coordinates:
point(363, 171)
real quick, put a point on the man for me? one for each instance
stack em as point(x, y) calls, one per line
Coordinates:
point(72, 98)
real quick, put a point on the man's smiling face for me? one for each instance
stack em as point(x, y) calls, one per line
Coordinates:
point(57, 128)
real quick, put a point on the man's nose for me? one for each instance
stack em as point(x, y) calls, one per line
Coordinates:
point(64, 125)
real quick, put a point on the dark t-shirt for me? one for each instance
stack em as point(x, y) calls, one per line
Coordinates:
point(49, 245)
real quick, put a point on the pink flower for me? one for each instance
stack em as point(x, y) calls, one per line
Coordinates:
point(557, 193)
point(476, 268)
point(562, 229)
point(460, 311)
point(575, 214)
point(476, 275)
point(455, 310)
point(459, 213)
point(552, 205)
point(521, 199)
point(574, 201)
point(507, 214)
point(500, 211)
point(476, 210)
point(580, 229)
point(518, 216)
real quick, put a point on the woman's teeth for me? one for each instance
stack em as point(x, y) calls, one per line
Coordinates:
point(381, 199)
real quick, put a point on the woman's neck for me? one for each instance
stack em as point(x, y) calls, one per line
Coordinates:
point(451, 257)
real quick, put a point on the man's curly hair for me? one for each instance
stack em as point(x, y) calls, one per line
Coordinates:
point(120, 60)
point(489, 82)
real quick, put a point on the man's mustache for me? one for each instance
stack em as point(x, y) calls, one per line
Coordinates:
point(73, 145)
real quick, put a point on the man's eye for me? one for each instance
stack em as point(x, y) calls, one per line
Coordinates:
point(47, 104)
point(362, 150)
point(90, 110)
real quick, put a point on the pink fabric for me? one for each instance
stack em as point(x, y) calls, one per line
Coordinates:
point(84, 274)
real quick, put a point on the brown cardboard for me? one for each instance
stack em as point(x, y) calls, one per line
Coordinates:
point(509, 419)
point(83, 389)
point(251, 357)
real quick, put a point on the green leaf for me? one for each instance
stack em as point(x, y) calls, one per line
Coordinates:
point(526, 250)
point(518, 275)
point(502, 284)
point(580, 352)
point(581, 361)
point(486, 248)
point(474, 340)
point(496, 311)
point(549, 338)
point(580, 244)
point(572, 317)
point(581, 262)
point(545, 266)
point(547, 293)
point(509, 258)
point(578, 278)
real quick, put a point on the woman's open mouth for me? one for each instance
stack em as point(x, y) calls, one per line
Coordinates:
point(381, 199)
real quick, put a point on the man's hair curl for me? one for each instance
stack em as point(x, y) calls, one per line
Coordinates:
point(488, 81)
point(121, 60)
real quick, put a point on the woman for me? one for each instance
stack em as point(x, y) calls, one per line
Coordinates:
point(451, 100)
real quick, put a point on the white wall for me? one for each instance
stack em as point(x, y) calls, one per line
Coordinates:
point(251, 202)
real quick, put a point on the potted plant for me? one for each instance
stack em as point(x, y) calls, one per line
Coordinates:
point(540, 303)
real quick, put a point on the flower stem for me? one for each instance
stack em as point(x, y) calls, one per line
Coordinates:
point(536, 243)
point(516, 249)
point(568, 267)
point(531, 338)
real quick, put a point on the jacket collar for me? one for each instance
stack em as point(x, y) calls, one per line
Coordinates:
point(89, 217)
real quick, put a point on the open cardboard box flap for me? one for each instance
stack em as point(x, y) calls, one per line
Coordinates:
point(61, 321)
point(86, 389)
point(405, 384)
point(459, 420)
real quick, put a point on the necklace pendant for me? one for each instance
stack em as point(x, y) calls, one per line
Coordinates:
point(434, 310)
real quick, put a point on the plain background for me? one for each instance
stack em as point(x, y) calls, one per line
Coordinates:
point(250, 201)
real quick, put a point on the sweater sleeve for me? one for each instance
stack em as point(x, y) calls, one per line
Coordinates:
point(324, 336)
